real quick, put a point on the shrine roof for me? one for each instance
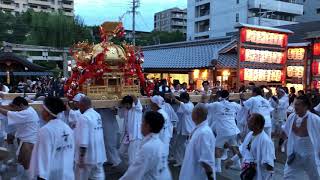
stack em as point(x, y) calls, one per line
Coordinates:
point(183, 55)
point(6, 56)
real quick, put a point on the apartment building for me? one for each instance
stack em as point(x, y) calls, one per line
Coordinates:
point(171, 20)
point(216, 18)
point(18, 6)
point(311, 11)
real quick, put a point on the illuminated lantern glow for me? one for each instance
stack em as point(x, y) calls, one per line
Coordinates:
point(262, 75)
point(262, 56)
point(204, 74)
point(196, 74)
point(296, 53)
point(316, 49)
point(298, 87)
point(295, 71)
point(263, 37)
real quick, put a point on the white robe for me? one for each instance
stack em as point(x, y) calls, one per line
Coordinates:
point(261, 152)
point(25, 123)
point(151, 161)
point(260, 105)
point(132, 136)
point(200, 149)
point(53, 154)
point(173, 117)
point(74, 116)
point(133, 120)
point(89, 134)
point(185, 125)
point(111, 135)
point(224, 115)
point(165, 133)
point(313, 126)
point(280, 109)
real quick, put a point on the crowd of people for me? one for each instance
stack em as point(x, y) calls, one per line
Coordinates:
point(75, 141)
point(42, 86)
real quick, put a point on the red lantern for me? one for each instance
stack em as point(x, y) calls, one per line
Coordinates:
point(284, 58)
point(316, 49)
point(241, 75)
point(242, 54)
point(243, 35)
point(285, 41)
point(315, 68)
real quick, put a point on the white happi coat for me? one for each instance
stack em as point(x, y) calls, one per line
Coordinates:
point(173, 117)
point(260, 105)
point(26, 124)
point(261, 152)
point(150, 162)
point(224, 115)
point(313, 126)
point(132, 122)
point(89, 134)
point(185, 125)
point(165, 133)
point(280, 109)
point(53, 154)
point(74, 116)
point(200, 149)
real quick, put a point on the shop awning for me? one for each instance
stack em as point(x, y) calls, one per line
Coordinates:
point(184, 55)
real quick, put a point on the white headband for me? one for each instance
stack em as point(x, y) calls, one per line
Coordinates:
point(50, 112)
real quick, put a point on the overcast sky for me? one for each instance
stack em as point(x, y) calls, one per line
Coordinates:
point(95, 12)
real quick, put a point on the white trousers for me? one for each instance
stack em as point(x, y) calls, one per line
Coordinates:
point(180, 147)
point(130, 150)
point(300, 167)
point(92, 172)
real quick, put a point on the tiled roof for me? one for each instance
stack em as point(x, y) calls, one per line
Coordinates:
point(186, 55)
point(227, 61)
point(231, 61)
point(301, 30)
point(13, 57)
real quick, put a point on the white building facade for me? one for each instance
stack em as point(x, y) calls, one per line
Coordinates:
point(311, 11)
point(216, 18)
point(18, 6)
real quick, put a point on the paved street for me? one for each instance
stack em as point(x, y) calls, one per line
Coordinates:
point(114, 174)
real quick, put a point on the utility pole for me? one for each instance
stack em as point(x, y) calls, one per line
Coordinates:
point(135, 5)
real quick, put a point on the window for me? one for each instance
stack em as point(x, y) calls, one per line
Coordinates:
point(237, 17)
point(203, 10)
point(318, 11)
point(237, 1)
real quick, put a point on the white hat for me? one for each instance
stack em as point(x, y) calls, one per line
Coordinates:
point(158, 100)
point(78, 97)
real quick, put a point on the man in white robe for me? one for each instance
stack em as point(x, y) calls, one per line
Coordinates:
point(74, 113)
point(279, 114)
point(132, 114)
point(258, 149)
point(53, 154)
point(303, 146)
point(224, 113)
point(199, 162)
point(25, 120)
point(170, 108)
point(151, 159)
point(184, 127)
point(90, 153)
point(166, 132)
point(258, 104)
